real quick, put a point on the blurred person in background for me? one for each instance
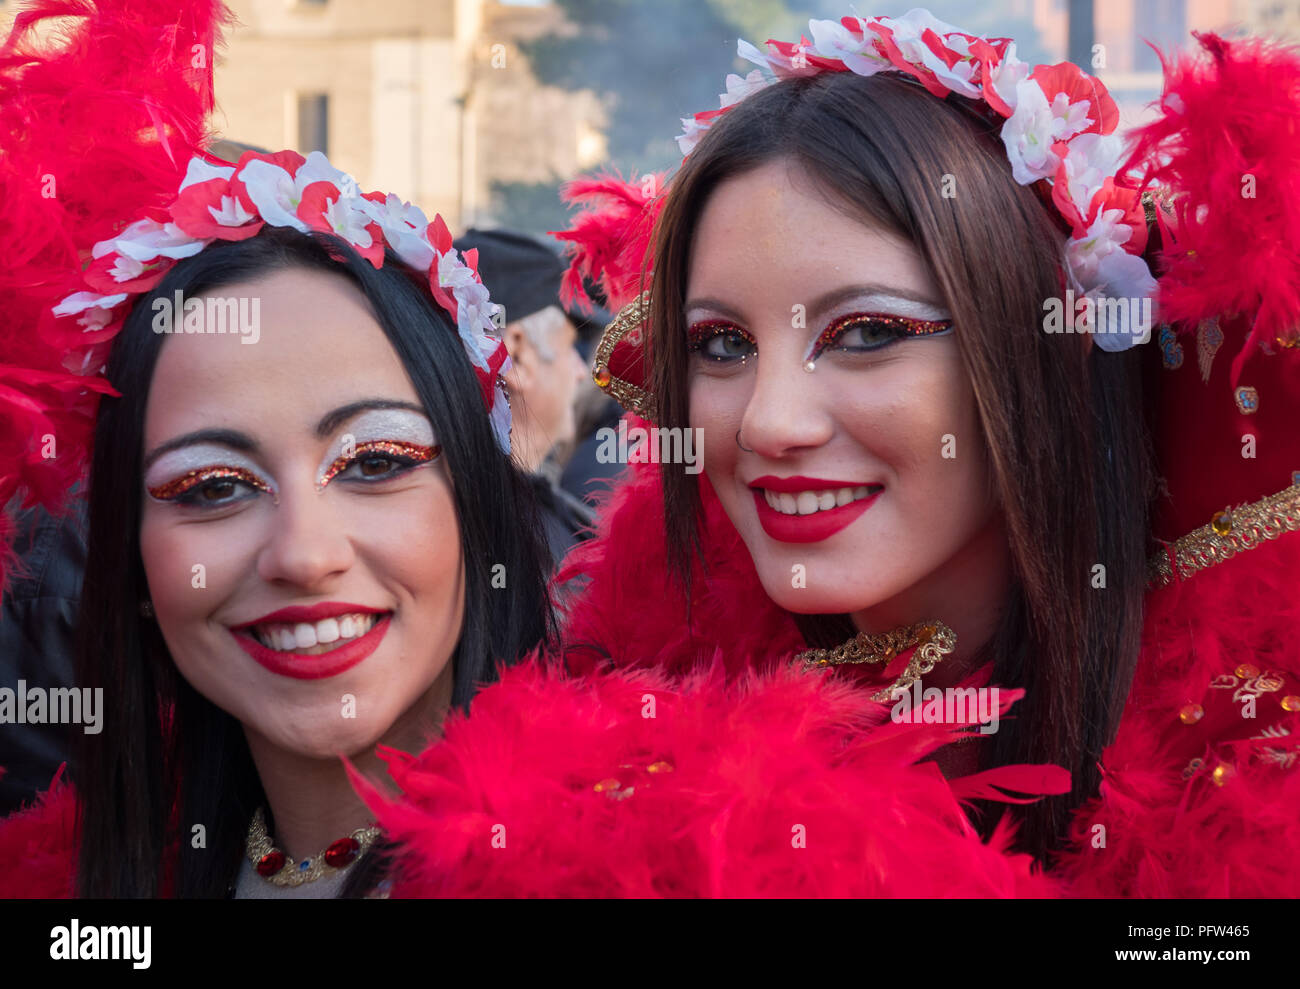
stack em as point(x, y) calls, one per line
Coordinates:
point(546, 369)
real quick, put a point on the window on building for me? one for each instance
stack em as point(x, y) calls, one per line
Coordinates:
point(313, 123)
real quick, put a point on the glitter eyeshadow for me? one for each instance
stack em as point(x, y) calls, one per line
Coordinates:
point(699, 333)
point(904, 325)
point(175, 488)
point(414, 451)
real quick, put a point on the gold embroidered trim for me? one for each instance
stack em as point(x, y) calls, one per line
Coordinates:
point(631, 317)
point(934, 640)
point(1230, 532)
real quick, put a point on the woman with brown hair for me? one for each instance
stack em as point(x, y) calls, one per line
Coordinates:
point(891, 294)
point(850, 316)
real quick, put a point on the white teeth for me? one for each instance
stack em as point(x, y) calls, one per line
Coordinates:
point(810, 502)
point(305, 635)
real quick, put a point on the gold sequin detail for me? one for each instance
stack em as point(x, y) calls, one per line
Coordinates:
point(933, 640)
point(1227, 534)
point(629, 319)
point(1191, 713)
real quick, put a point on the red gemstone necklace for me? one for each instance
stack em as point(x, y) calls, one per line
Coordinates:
point(274, 866)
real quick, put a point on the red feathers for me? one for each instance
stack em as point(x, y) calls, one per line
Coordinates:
point(39, 843)
point(1227, 143)
point(95, 128)
point(611, 238)
point(637, 784)
point(1167, 834)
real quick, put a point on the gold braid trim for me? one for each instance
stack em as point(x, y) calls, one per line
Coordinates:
point(934, 640)
point(1230, 532)
point(631, 317)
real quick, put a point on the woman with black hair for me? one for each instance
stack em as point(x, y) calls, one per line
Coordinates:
point(307, 538)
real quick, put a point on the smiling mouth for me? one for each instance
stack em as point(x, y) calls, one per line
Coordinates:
point(811, 502)
point(313, 638)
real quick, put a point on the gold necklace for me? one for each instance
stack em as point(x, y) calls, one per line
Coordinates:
point(933, 641)
point(273, 865)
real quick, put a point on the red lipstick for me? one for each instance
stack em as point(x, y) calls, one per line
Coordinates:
point(807, 528)
point(325, 664)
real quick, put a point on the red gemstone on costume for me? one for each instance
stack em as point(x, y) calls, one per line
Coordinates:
point(342, 852)
point(270, 863)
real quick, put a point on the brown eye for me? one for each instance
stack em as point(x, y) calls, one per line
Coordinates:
point(216, 490)
point(374, 466)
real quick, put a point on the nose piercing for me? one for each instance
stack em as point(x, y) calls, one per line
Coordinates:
point(740, 444)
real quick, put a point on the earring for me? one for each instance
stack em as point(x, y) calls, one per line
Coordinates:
point(740, 444)
point(146, 608)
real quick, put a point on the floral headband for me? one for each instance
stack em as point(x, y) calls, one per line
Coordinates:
point(1059, 127)
point(220, 202)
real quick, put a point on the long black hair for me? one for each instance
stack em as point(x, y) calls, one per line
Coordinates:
point(168, 758)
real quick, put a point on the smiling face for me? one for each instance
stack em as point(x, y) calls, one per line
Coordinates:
point(869, 472)
point(320, 483)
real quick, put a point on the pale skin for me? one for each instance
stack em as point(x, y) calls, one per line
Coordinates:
point(932, 544)
point(542, 392)
point(376, 535)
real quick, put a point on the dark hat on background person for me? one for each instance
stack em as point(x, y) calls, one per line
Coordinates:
point(524, 276)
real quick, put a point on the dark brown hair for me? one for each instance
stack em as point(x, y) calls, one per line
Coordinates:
point(1062, 421)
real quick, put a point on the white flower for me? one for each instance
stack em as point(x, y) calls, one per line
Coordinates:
point(403, 226)
point(199, 170)
point(1106, 235)
point(96, 310)
point(1029, 134)
point(1090, 159)
point(145, 240)
point(274, 192)
point(1124, 277)
point(349, 222)
point(907, 31)
point(692, 131)
point(831, 39)
point(1073, 117)
point(1007, 75)
point(738, 88)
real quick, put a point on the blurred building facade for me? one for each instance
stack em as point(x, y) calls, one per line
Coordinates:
point(430, 99)
point(434, 100)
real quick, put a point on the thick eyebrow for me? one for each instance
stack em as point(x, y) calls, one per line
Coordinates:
point(246, 444)
point(825, 301)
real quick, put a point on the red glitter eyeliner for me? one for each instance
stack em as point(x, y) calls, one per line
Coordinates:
point(413, 453)
point(897, 326)
point(177, 488)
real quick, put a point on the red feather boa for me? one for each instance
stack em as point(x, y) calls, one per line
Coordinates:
point(638, 784)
